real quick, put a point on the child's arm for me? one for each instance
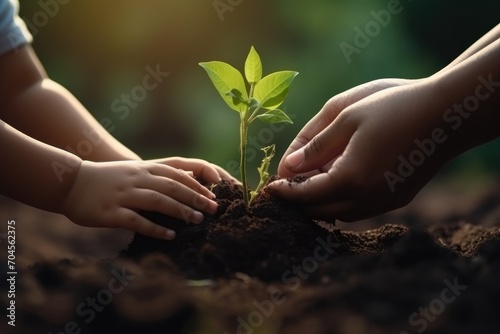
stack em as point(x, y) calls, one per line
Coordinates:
point(374, 154)
point(105, 194)
point(41, 122)
point(39, 107)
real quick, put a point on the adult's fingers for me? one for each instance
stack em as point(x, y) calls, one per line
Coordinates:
point(317, 124)
point(322, 148)
point(329, 113)
point(318, 189)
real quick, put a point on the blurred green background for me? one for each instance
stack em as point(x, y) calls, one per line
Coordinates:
point(100, 50)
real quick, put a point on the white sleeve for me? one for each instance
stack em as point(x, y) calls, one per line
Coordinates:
point(13, 31)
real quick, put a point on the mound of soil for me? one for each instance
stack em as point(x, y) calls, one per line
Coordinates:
point(263, 240)
point(269, 269)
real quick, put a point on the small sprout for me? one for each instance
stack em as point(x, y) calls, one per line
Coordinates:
point(260, 101)
point(269, 152)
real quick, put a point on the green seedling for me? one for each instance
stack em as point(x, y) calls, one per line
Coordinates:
point(260, 101)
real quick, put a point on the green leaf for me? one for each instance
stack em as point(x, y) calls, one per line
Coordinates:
point(237, 96)
point(271, 91)
point(226, 78)
point(253, 67)
point(275, 116)
point(253, 103)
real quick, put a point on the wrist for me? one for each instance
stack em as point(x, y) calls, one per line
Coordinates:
point(70, 195)
point(472, 91)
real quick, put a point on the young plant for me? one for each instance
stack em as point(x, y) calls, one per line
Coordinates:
point(260, 101)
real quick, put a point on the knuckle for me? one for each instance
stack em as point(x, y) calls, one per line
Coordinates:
point(185, 212)
point(130, 219)
point(345, 117)
point(179, 173)
point(136, 170)
point(155, 197)
point(200, 202)
point(316, 146)
point(333, 108)
point(172, 186)
point(154, 229)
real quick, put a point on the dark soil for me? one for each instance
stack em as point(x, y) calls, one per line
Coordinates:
point(262, 241)
point(269, 269)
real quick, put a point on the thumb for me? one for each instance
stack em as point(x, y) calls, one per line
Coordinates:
point(321, 149)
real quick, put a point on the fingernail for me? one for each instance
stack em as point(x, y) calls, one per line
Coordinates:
point(295, 159)
point(213, 207)
point(169, 234)
point(197, 217)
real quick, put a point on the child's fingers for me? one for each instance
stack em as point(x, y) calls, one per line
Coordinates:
point(131, 220)
point(207, 172)
point(200, 168)
point(180, 176)
point(150, 200)
point(157, 191)
point(225, 175)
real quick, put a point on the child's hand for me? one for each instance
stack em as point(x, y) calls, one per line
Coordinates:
point(110, 194)
point(350, 145)
point(202, 170)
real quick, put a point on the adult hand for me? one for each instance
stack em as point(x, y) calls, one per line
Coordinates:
point(110, 194)
point(352, 146)
point(328, 114)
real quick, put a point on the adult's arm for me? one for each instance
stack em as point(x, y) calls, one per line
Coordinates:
point(365, 142)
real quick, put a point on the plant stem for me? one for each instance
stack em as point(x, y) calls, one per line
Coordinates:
point(252, 116)
point(243, 156)
point(244, 123)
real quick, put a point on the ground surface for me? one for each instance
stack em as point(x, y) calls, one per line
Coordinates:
point(432, 267)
